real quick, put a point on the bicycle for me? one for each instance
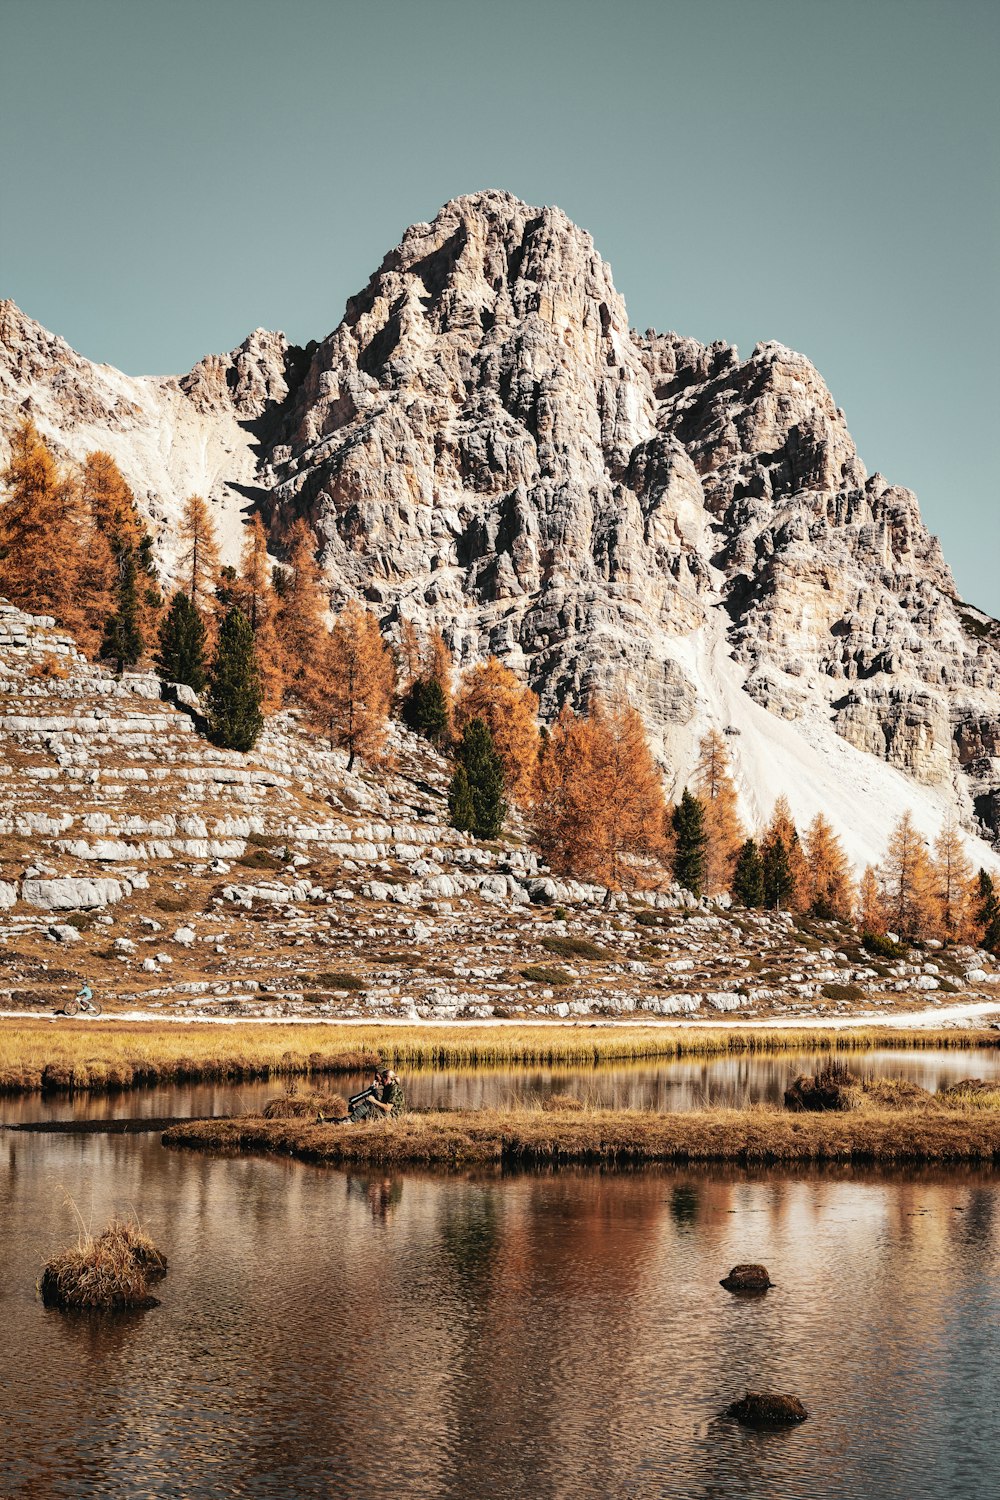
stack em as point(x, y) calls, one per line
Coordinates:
point(84, 1001)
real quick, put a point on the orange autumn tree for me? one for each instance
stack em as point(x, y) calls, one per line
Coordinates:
point(786, 874)
point(830, 887)
point(491, 692)
point(598, 798)
point(870, 913)
point(351, 696)
point(198, 558)
point(301, 608)
point(119, 540)
point(254, 595)
point(42, 529)
point(907, 878)
point(724, 833)
point(955, 886)
point(410, 654)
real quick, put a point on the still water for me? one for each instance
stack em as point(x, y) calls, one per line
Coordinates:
point(686, 1083)
point(559, 1335)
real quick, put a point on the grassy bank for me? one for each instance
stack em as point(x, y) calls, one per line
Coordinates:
point(67, 1056)
point(525, 1137)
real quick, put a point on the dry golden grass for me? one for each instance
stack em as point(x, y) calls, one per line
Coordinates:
point(110, 1273)
point(106, 1055)
point(526, 1137)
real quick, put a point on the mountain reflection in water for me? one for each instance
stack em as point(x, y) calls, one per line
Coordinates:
point(555, 1335)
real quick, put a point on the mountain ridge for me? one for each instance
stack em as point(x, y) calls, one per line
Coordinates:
point(483, 443)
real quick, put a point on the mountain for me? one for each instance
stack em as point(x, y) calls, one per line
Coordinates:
point(484, 443)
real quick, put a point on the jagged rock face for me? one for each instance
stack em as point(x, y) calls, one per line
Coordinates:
point(483, 445)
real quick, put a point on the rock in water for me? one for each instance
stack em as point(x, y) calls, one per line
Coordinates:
point(767, 1409)
point(747, 1278)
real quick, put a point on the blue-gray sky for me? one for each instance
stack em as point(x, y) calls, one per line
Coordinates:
point(822, 172)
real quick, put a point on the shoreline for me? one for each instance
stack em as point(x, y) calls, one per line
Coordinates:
point(613, 1138)
point(103, 1056)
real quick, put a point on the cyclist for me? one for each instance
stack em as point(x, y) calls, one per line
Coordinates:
point(85, 994)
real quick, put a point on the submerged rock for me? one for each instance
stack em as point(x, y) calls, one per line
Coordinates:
point(767, 1409)
point(747, 1278)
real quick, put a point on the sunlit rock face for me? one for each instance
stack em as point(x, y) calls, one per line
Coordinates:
point(482, 444)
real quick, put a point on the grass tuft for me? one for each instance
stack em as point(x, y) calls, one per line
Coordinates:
point(112, 1273)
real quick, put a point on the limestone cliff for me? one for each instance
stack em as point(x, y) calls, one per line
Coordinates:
point(483, 443)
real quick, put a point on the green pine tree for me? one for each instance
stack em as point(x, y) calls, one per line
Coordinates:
point(484, 776)
point(688, 822)
point(234, 691)
point(181, 657)
point(748, 876)
point(460, 808)
point(777, 871)
point(425, 709)
point(988, 914)
point(123, 640)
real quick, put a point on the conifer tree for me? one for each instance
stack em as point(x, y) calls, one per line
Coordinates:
point(198, 561)
point(565, 815)
point(410, 654)
point(181, 654)
point(787, 884)
point(724, 834)
point(484, 780)
point(351, 696)
point(425, 710)
point(493, 693)
point(123, 640)
point(301, 607)
point(830, 887)
point(748, 876)
point(908, 882)
point(234, 691)
point(954, 886)
point(253, 592)
point(871, 915)
point(625, 791)
point(987, 914)
point(41, 538)
point(689, 848)
point(461, 809)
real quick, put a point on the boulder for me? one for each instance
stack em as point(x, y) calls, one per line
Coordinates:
point(767, 1409)
point(69, 894)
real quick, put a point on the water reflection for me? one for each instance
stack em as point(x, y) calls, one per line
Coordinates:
point(690, 1083)
point(557, 1335)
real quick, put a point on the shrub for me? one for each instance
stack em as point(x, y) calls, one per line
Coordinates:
point(340, 979)
point(842, 991)
point(571, 947)
point(882, 946)
point(546, 974)
point(111, 1273)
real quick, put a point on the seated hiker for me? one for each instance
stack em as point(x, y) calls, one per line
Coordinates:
point(385, 1097)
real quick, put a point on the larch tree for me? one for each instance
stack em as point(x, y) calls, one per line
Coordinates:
point(302, 605)
point(908, 882)
point(42, 526)
point(724, 833)
point(626, 789)
point(565, 816)
point(198, 560)
point(786, 874)
point(254, 595)
point(410, 654)
point(491, 692)
point(954, 885)
point(830, 887)
point(352, 694)
point(120, 557)
point(870, 912)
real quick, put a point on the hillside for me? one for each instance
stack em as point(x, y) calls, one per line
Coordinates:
point(485, 446)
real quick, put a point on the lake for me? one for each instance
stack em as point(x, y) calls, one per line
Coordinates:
point(553, 1335)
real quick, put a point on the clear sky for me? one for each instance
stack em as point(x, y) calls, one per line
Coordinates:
point(823, 172)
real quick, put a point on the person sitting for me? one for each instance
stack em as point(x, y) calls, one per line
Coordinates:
point(385, 1097)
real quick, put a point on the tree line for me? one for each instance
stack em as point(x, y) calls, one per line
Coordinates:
point(258, 637)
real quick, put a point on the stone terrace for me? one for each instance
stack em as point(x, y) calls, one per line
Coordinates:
point(182, 878)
